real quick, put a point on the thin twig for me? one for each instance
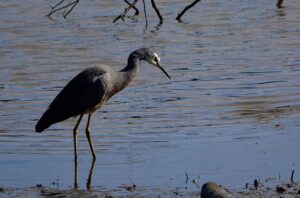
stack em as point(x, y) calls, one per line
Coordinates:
point(187, 178)
point(75, 3)
point(137, 12)
point(157, 12)
point(122, 15)
point(185, 9)
point(53, 10)
point(55, 7)
point(292, 176)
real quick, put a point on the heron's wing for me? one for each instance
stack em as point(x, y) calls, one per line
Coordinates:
point(82, 93)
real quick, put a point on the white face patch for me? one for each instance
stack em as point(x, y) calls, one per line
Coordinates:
point(156, 55)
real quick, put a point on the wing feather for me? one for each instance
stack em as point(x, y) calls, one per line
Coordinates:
point(80, 95)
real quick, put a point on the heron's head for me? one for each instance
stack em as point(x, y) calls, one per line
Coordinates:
point(154, 59)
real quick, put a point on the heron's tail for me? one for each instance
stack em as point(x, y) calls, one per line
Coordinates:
point(48, 118)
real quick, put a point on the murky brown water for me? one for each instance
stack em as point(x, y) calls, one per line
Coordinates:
point(230, 114)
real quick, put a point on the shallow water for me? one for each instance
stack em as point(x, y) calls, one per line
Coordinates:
point(230, 114)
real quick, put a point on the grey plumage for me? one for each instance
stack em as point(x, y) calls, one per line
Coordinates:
point(81, 95)
point(90, 89)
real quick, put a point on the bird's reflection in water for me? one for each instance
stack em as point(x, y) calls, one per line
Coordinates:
point(89, 179)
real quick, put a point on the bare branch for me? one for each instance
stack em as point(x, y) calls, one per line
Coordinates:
point(55, 9)
point(185, 9)
point(122, 15)
point(137, 12)
point(56, 6)
point(75, 3)
point(157, 12)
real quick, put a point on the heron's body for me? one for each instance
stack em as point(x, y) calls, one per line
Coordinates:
point(84, 94)
point(90, 89)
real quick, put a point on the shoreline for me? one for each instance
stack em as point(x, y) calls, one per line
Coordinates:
point(285, 190)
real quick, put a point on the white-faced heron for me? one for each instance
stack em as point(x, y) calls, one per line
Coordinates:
point(90, 89)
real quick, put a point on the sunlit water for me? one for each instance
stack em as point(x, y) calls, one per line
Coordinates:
point(230, 114)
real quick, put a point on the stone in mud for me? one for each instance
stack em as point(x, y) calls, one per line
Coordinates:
point(213, 190)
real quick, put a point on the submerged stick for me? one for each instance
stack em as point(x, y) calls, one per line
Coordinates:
point(187, 178)
point(157, 12)
point(55, 9)
point(292, 176)
point(145, 12)
point(137, 12)
point(185, 9)
point(74, 4)
point(122, 15)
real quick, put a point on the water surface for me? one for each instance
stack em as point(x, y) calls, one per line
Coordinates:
point(230, 114)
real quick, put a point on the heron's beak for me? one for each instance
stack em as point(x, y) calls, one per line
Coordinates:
point(162, 69)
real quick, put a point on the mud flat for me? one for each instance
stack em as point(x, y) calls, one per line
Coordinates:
point(284, 190)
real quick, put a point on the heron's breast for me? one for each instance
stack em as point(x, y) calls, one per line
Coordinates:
point(117, 88)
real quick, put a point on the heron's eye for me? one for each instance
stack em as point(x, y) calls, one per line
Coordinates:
point(155, 59)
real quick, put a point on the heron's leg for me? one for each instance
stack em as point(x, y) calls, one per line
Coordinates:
point(75, 136)
point(87, 133)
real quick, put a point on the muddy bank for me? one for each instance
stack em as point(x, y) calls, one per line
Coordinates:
point(284, 190)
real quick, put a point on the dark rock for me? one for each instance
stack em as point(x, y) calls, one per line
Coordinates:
point(280, 189)
point(213, 190)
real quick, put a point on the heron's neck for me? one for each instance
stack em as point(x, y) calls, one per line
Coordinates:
point(132, 67)
point(126, 75)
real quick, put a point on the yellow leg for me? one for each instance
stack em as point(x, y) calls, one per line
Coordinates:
point(75, 136)
point(87, 133)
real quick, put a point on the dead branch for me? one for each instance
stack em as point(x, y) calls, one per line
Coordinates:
point(53, 8)
point(57, 8)
point(137, 12)
point(157, 12)
point(74, 4)
point(122, 15)
point(185, 9)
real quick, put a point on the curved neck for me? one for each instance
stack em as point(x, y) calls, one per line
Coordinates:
point(126, 75)
point(132, 64)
